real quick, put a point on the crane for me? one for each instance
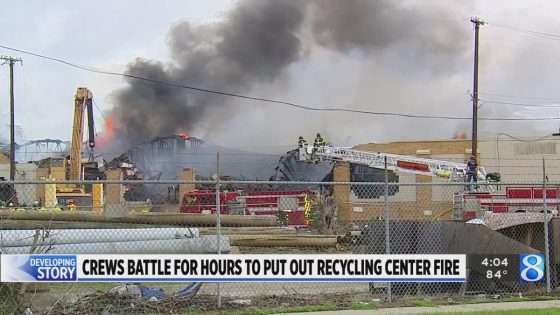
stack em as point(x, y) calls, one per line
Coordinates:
point(455, 171)
point(82, 101)
point(70, 167)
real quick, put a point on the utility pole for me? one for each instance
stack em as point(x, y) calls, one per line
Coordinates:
point(546, 232)
point(477, 22)
point(10, 61)
point(218, 223)
point(387, 226)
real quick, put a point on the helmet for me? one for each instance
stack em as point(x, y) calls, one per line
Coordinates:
point(318, 134)
point(300, 138)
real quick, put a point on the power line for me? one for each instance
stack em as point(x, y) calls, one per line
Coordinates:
point(527, 97)
point(514, 138)
point(521, 104)
point(523, 140)
point(253, 98)
point(98, 109)
point(530, 32)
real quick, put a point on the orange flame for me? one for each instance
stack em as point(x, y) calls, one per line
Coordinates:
point(107, 134)
point(460, 135)
point(184, 135)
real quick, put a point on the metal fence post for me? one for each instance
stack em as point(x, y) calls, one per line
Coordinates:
point(546, 238)
point(218, 223)
point(387, 228)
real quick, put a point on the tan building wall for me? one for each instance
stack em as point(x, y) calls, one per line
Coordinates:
point(41, 173)
point(114, 192)
point(186, 174)
point(4, 159)
point(435, 147)
point(521, 159)
point(341, 193)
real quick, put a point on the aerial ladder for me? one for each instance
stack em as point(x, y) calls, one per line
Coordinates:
point(454, 171)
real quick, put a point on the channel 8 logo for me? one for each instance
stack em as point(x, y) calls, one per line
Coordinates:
point(531, 268)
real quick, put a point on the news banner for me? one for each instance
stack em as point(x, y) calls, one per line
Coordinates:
point(258, 268)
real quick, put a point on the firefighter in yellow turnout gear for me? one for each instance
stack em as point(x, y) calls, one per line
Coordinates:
point(319, 142)
point(301, 142)
point(308, 209)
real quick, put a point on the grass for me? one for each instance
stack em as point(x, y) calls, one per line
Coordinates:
point(363, 306)
point(274, 310)
point(422, 303)
point(297, 309)
point(544, 311)
point(512, 299)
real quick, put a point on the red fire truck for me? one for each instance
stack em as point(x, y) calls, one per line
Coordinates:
point(289, 205)
point(465, 204)
point(510, 199)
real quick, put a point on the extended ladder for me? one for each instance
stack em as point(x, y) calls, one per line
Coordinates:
point(402, 163)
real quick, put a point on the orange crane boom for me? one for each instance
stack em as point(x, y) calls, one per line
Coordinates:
point(82, 101)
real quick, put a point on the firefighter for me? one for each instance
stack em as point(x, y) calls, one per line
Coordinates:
point(191, 200)
point(307, 208)
point(472, 170)
point(71, 206)
point(319, 142)
point(494, 178)
point(302, 143)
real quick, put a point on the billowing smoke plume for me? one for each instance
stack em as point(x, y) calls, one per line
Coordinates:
point(259, 42)
point(255, 43)
point(380, 25)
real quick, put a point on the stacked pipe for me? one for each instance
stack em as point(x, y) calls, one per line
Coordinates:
point(111, 241)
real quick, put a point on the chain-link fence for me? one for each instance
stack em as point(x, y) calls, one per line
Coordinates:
point(180, 217)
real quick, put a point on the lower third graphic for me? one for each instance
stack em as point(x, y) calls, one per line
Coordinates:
point(32, 268)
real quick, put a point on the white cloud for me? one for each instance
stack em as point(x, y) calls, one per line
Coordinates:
point(52, 27)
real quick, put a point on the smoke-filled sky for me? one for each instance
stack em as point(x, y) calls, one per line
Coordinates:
point(410, 57)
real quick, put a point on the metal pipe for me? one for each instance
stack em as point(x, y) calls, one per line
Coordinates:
point(158, 219)
point(200, 245)
point(16, 238)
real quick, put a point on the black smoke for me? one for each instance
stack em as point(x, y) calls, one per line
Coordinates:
point(424, 32)
point(256, 43)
